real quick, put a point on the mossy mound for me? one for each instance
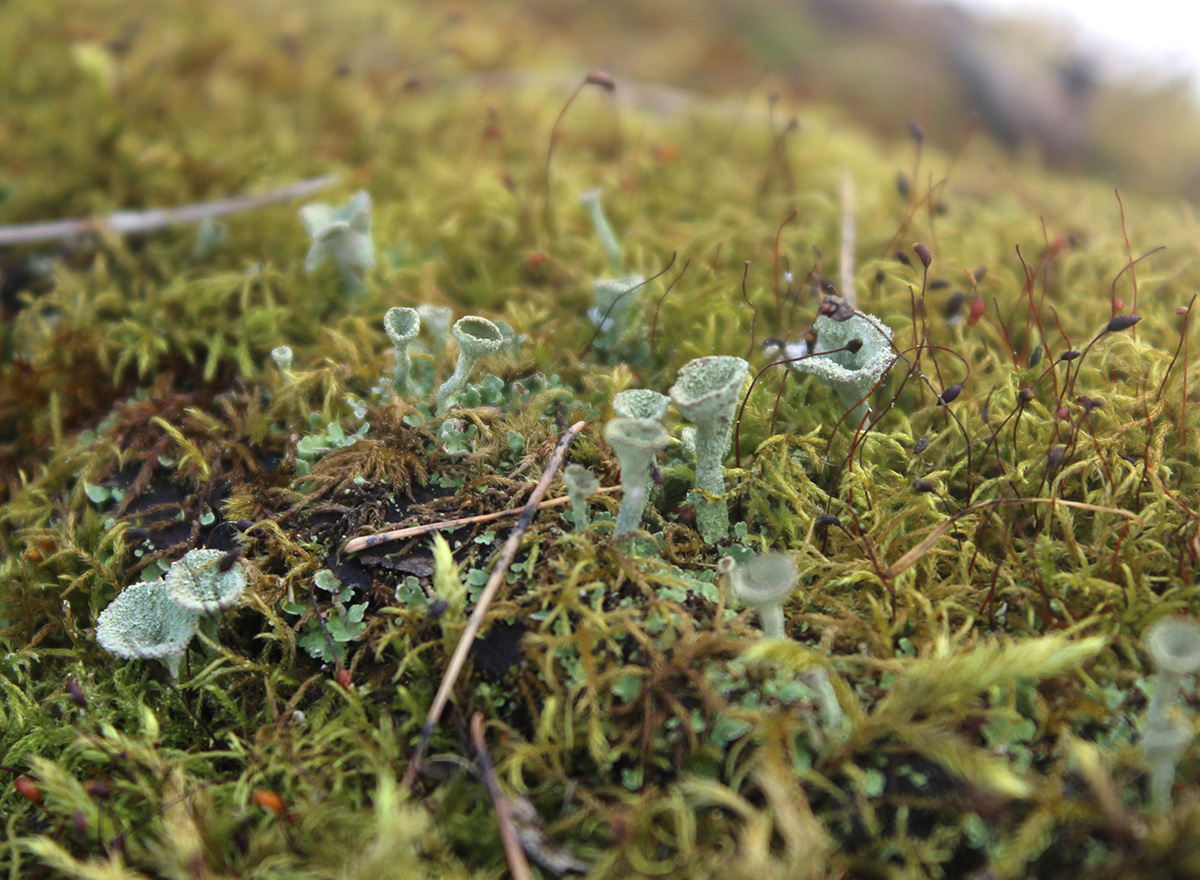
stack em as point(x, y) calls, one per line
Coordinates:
point(978, 556)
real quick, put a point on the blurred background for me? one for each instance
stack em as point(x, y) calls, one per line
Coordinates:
point(1097, 87)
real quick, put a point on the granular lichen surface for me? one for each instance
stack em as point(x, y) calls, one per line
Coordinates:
point(979, 549)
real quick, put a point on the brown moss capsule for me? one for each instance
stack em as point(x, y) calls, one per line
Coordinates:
point(1068, 356)
point(826, 520)
point(28, 789)
point(1036, 357)
point(1025, 396)
point(950, 394)
point(902, 185)
point(923, 253)
point(902, 257)
point(853, 346)
point(833, 306)
point(97, 789)
point(269, 801)
point(978, 307)
point(1121, 322)
point(226, 562)
point(602, 79)
point(922, 486)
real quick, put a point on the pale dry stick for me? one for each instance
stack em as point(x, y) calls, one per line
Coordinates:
point(513, 853)
point(490, 589)
point(134, 222)
point(910, 558)
point(363, 542)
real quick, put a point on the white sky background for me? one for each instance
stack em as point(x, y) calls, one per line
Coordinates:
point(1130, 38)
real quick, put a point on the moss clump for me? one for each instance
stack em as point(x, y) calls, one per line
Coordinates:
point(976, 564)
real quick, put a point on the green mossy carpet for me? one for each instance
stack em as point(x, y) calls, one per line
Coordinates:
point(963, 685)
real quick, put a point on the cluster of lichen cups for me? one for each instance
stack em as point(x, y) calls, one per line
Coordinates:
point(706, 393)
point(155, 620)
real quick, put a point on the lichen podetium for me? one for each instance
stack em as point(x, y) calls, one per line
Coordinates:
point(962, 688)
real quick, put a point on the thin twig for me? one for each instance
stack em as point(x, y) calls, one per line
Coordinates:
point(513, 852)
point(363, 542)
point(507, 554)
point(134, 222)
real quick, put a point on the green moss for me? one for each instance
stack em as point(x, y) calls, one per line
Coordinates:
point(974, 576)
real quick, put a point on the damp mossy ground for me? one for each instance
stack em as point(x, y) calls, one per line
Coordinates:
point(963, 687)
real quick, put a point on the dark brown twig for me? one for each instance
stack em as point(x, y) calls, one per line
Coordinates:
point(513, 852)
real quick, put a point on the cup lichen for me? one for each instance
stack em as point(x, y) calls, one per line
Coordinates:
point(1174, 647)
point(764, 582)
point(636, 442)
point(201, 581)
point(640, 403)
point(144, 623)
point(850, 369)
point(476, 337)
point(706, 392)
point(402, 326)
point(341, 234)
point(581, 483)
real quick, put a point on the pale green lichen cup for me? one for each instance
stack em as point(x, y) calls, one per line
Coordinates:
point(706, 392)
point(636, 442)
point(476, 337)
